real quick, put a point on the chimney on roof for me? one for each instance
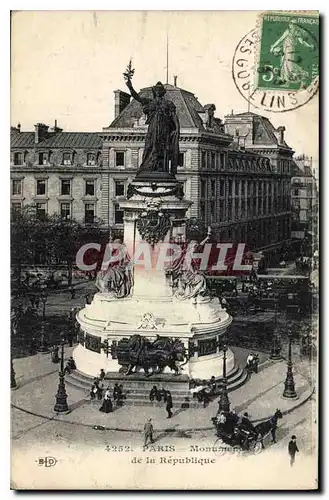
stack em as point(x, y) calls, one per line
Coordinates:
point(175, 80)
point(55, 129)
point(40, 132)
point(121, 100)
point(280, 134)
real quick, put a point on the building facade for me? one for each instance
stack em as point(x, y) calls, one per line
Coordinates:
point(304, 197)
point(58, 172)
point(237, 172)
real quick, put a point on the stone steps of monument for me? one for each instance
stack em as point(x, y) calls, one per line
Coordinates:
point(138, 387)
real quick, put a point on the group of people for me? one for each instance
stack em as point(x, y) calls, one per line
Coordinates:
point(99, 392)
point(162, 395)
point(235, 420)
point(70, 363)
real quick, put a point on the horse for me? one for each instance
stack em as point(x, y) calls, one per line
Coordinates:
point(268, 426)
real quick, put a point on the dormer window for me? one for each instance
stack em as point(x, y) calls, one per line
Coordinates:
point(18, 158)
point(67, 159)
point(43, 158)
point(91, 159)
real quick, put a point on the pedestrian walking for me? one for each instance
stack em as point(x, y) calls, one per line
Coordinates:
point(72, 292)
point(169, 404)
point(148, 432)
point(292, 449)
point(101, 376)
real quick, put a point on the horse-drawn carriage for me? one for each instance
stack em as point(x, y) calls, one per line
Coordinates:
point(247, 438)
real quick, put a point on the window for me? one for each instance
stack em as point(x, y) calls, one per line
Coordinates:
point(237, 188)
point(41, 210)
point(90, 188)
point(213, 160)
point(89, 213)
point(296, 192)
point(119, 188)
point(41, 186)
point(118, 215)
point(43, 159)
point(222, 160)
point(204, 159)
point(18, 158)
point(222, 187)
point(119, 158)
point(230, 184)
point(66, 187)
point(181, 159)
point(17, 187)
point(203, 188)
point(16, 207)
point(65, 210)
point(91, 160)
point(67, 159)
point(229, 209)
point(213, 188)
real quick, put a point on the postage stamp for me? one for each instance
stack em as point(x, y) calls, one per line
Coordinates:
point(288, 52)
point(276, 65)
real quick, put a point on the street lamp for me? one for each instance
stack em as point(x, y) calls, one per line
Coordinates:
point(224, 402)
point(61, 396)
point(43, 345)
point(289, 384)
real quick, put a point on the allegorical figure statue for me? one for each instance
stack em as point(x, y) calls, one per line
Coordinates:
point(161, 150)
point(117, 280)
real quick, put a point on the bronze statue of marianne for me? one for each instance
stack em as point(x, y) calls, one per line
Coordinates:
point(161, 150)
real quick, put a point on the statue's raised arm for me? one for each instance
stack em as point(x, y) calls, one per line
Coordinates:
point(128, 74)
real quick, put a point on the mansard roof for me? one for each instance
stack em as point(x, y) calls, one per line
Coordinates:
point(264, 131)
point(187, 107)
point(63, 140)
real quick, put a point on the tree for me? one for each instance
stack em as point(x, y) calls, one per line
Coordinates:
point(29, 234)
point(68, 235)
point(54, 238)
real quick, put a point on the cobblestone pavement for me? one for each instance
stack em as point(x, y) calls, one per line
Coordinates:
point(105, 458)
point(37, 381)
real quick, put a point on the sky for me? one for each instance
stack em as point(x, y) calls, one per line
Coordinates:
point(65, 65)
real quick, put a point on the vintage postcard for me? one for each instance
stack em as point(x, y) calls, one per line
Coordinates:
point(164, 178)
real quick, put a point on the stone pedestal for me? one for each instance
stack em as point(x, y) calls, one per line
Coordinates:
point(152, 309)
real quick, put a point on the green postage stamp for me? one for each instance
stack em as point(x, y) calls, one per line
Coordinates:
point(288, 57)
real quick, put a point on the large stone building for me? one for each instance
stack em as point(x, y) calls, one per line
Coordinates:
point(236, 173)
point(304, 197)
point(58, 172)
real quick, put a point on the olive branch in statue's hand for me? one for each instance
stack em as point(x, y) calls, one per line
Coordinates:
point(129, 73)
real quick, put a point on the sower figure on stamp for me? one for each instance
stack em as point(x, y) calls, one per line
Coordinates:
point(161, 151)
point(148, 432)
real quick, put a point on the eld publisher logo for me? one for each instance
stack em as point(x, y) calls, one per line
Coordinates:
point(46, 462)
